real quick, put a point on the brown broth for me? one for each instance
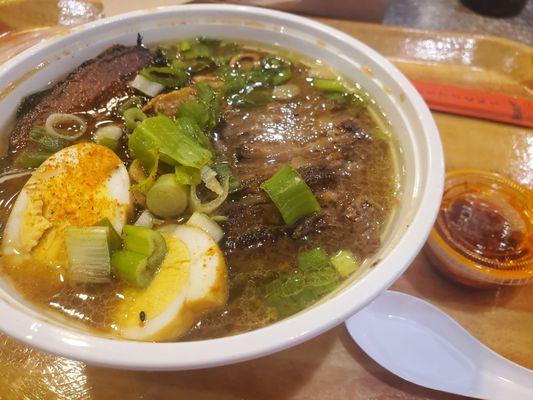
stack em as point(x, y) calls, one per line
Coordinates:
point(370, 181)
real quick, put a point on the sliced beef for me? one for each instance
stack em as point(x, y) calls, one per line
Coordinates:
point(333, 150)
point(89, 86)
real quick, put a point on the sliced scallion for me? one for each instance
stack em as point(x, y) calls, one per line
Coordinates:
point(131, 267)
point(344, 262)
point(146, 219)
point(32, 158)
point(133, 117)
point(329, 85)
point(113, 238)
point(65, 126)
point(146, 86)
point(47, 142)
point(209, 177)
point(212, 205)
point(88, 254)
point(167, 198)
point(291, 195)
point(285, 92)
point(108, 135)
point(146, 241)
point(131, 102)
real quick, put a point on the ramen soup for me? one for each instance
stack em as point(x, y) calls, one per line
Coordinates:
point(193, 190)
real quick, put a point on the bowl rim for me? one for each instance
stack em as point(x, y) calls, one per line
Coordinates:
point(101, 351)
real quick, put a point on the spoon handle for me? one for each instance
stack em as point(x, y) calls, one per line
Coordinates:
point(504, 380)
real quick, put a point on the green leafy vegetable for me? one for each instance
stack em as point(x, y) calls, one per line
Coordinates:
point(161, 135)
point(190, 128)
point(194, 110)
point(187, 175)
point(195, 54)
point(223, 170)
point(239, 85)
point(166, 76)
point(210, 100)
point(354, 100)
point(290, 194)
point(145, 185)
point(192, 66)
point(312, 260)
point(294, 291)
point(278, 69)
point(203, 111)
point(45, 141)
point(344, 262)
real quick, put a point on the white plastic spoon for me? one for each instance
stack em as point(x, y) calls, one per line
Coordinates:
point(421, 344)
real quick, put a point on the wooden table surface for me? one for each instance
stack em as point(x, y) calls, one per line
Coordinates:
point(332, 366)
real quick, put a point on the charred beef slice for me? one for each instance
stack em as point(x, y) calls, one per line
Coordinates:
point(331, 146)
point(88, 87)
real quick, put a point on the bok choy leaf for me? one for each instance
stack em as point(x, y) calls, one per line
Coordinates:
point(173, 142)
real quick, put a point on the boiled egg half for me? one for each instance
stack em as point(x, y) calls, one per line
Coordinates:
point(77, 186)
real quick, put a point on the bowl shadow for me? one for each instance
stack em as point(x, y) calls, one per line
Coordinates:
point(278, 376)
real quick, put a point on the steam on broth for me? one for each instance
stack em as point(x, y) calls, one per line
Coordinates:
point(193, 190)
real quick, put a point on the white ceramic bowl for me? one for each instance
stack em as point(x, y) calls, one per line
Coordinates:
point(418, 139)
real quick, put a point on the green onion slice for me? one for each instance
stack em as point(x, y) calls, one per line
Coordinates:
point(65, 126)
point(146, 86)
point(344, 262)
point(32, 158)
point(113, 238)
point(167, 198)
point(291, 195)
point(131, 267)
point(329, 85)
point(133, 117)
point(212, 205)
point(146, 241)
point(45, 141)
point(88, 254)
